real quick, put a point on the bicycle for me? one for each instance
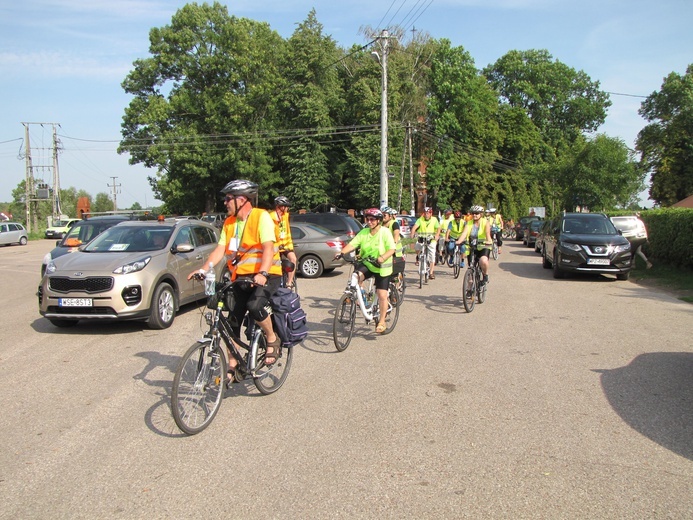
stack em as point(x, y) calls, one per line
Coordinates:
point(457, 259)
point(199, 381)
point(422, 244)
point(400, 283)
point(509, 233)
point(494, 249)
point(368, 304)
point(472, 286)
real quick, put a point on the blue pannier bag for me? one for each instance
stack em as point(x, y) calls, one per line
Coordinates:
point(290, 321)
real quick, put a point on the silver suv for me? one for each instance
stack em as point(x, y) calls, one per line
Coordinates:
point(131, 271)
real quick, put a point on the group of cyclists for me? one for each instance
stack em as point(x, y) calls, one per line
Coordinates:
point(253, 239)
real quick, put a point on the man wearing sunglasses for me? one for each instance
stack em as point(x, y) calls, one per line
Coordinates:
point(478, 229)
point(282, 230)
point(247, 244)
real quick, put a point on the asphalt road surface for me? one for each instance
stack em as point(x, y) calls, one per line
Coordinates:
point(554, 399)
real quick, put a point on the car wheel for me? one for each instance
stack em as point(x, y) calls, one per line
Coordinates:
point(163, 307)
point(557, 273)
point(623, 276)
point(310, 266)
point(64, 323)
point(22, 241)
point(545, 261)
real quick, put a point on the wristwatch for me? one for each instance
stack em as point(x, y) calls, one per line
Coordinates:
point(264, 273)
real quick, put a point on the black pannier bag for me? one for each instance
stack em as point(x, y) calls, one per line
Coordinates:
point(290, 321)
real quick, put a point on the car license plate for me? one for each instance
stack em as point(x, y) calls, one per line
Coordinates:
point(598, 261)
point(75, 302)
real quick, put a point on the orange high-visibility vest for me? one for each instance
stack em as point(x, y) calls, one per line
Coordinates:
point(248, 258)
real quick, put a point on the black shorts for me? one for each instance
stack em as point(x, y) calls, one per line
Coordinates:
point(253, 299)
point(381, 282)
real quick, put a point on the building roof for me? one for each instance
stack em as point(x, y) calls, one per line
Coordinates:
point(685, 203)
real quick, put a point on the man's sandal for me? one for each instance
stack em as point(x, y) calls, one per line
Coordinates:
point(381, 328)
point(273, 351)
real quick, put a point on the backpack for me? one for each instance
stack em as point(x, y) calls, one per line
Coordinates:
point(290, 321)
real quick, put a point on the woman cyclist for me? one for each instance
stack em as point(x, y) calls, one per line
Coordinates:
point(480, 230)
point(375, 241)
point(282, 231)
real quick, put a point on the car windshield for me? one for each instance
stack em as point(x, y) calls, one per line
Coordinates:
point(626, 224)
point(60, 223)
point(588, 225)
point(119, 239)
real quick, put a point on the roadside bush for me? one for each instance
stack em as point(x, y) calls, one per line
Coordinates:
point(670, 233)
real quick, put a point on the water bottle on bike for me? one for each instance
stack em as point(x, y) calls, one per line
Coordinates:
point(210, 280)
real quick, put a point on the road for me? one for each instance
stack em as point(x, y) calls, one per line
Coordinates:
point(554, 399)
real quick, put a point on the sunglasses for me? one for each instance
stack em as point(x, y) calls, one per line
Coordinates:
point(476, 214)
point(229, 198)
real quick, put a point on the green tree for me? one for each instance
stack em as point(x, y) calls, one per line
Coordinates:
point(560, 101)
point(666, 143)
point(463, 130)
point(600, 174)
point(202, 105)
point(102, 203)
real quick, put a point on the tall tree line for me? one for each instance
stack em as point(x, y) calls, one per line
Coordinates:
point(221, 97)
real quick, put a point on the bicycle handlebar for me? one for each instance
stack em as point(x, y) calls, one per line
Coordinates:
point(355, 260)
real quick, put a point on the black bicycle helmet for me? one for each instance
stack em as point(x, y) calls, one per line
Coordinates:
point(240, 187)
point(281, 200)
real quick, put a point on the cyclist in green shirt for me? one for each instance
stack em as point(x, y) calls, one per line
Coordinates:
point(427, 225)
point(375, 241)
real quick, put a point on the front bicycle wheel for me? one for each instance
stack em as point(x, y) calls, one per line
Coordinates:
point(494, 251)
point(392, 311)
point(481, 290)
point(456, 264)
point(198, 387)
point(270, 378)
point(422, 268)
point(469, 290)
point(401, 286)
point(343, 324)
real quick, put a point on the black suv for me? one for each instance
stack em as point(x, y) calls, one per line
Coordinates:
point(81, 233)
point(339, 223)
point(586, 243)
point(521, 226)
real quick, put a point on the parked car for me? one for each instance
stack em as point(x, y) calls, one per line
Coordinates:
point(60, 228)
point(532, 232)
point(315, 247)
point(632, 228)
point(79, 234)
point(131, 271)
point(406, 222)
point(216, 219)
point(539, 242)
point(586, 243)
point(521, 226)
point(13, 233)
point(339, 223)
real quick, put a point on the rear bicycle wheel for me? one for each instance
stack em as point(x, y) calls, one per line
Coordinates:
point(198, 387)
point(270, 378)
point(343, 323)
point(469, 290)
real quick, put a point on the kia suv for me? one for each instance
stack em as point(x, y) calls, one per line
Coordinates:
point(586, 243)
point(132, 271)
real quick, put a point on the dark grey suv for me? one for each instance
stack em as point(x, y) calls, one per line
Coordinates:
point(586, 243)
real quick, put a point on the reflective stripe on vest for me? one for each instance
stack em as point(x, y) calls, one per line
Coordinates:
point(249, 253)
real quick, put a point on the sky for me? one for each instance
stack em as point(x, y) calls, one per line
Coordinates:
point(63, 61)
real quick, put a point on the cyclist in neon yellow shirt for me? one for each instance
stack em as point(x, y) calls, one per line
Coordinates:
point(375, 241)
point(427, 225)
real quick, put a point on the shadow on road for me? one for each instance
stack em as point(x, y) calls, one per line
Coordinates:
point(654, 396)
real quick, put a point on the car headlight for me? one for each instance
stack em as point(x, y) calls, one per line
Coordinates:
point(132, 267)
point(50, 268)
point(568, 245)
point(47, 259)
point(622, 248)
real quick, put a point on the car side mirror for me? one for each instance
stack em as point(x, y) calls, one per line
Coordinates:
point(183, 248)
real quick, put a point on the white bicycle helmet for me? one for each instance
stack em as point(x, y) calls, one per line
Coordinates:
point(476, 209)
point(240, 187)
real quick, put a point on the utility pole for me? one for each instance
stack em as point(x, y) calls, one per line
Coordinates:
point(115, 191)
point(32, 196)
point(382, 59)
